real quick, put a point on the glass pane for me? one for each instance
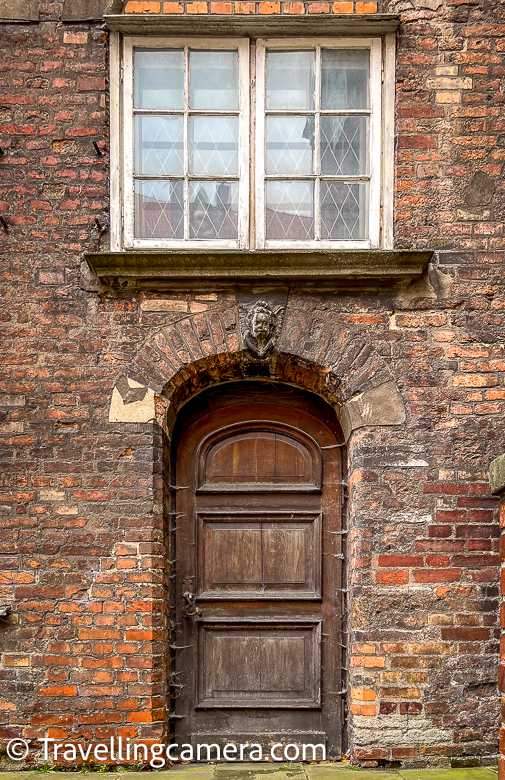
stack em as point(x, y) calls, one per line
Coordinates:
point(290, 144)
point(290, 79)
point(344, 210)
point(344, 78)
point(159, 209)
point(159, 79)
point(159, 145)
point(214, 145)
point(344, 147)
point(290, 210)
point(213, 79)
point(213, 209)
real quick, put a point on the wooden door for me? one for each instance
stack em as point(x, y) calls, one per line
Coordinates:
point(258, 575)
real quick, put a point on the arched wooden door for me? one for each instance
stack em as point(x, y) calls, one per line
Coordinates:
point(258, 573)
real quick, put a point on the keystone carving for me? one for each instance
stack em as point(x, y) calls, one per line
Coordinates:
point(260, 325)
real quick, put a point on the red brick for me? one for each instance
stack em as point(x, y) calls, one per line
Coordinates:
point(417, 142)
point(392, 577)
point(437, 575)
point(400, 560)
point(465, 633)
point(135, 7)
point(366, 8)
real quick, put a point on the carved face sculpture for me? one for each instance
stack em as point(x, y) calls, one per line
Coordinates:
point(260, 325)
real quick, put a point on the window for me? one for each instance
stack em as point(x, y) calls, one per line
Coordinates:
point(313, 150)
point(186, 153)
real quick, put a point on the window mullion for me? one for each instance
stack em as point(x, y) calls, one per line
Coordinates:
point(186, 142)
point(317, 146)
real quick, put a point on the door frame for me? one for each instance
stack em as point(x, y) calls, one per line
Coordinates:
point(200, 409)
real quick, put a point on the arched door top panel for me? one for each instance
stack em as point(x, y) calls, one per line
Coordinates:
point(259, 457)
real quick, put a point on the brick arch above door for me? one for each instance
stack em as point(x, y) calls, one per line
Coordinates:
point(314, 348)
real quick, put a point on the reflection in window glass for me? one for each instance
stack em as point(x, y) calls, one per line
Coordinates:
point(344, 78)
point(159, 79)
point(290, 210)
point(213, 209)
point(159, 209)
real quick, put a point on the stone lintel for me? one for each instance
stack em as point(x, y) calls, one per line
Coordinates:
point(497, 475)
point(253, 26)
point(155, 269)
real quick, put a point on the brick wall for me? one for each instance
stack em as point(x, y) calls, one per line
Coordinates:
point(265, 7)
point(83, 551)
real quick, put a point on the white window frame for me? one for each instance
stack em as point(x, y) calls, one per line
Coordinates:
point(374, 139)
point(212, 44)
point(251, 200)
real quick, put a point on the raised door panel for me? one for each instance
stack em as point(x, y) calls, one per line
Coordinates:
point(245, 459)
point(259, 556)
point(259, 666)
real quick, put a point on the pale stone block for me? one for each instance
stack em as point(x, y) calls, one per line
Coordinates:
point(382, 405)
point(446, 82)
point(11, 427)
point(448, 97)
point(138, 411)
point(446, 70)
point(164, 305)
point(47, 494)
point(7, 399)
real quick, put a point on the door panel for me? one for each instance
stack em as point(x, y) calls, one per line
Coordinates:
point(259, 556)
point(249, 457)
point(251, 665)
point(258, 551)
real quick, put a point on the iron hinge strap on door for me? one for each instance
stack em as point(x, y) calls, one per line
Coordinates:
point(187, 597)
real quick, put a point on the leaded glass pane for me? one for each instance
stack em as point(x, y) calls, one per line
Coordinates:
point(344, 78)
point(213, 80)
point(159, 79)
point(159, 145)
point(290, 210)
point(344, 145)
point(290, 80)
point(290, 144)
point(159, 209)
point(213, 207)
point(344, 210)
point(213, 149)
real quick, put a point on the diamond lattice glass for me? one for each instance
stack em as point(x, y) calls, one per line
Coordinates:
point(213, 149)
point(344, 210)
point(290, 144)
point(159, 79)
point(344, 145)
point(213, 210)
point(290, 210)
point(159, 209)
point(159, 145)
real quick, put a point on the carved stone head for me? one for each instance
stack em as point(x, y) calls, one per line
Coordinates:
point(260, 327)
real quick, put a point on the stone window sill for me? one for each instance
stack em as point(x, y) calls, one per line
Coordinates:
point(155, 270)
